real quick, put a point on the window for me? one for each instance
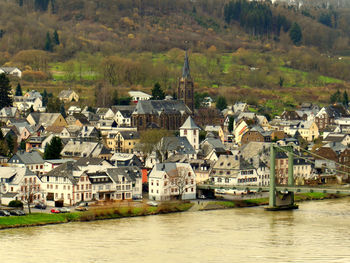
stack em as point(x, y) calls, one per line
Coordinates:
point(185, 132)
point(56, 186)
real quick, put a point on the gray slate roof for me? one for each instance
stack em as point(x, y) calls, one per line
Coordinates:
point(27, 157)
point(161, 106)
point(189, 124)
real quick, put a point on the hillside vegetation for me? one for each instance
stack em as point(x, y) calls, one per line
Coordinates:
point(243, 50)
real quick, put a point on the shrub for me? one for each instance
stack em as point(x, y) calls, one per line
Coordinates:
point(16, 203)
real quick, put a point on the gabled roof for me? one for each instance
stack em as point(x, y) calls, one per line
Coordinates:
point(65, 170)
point(85, 161)
point(65, 93)
point(46, 119)
point(28, 157)
point(129, 135)
point(178, 144)
point(161, 106)
point(189, 124)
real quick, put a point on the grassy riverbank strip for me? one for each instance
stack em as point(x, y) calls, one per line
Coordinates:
point(221, 204)
point(95, 213)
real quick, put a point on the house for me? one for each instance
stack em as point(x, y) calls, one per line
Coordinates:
point(24, 130)
point(125, 159)
point(327, 115)
point(15, 183)
point(77, 119)
point(337, 137)
point(77, 149)
point(172, 180)
point(211, 148)
point(123, 115)
point(8, 113)
point(46, 119)
point(308, 130)
point(216, 129)
point(32, 99)
point(122, 141)
point(66, 185)
point(137, 96)
point(73, 109)
point(164, 114)
point(13, 71)
point(89, 133)
point(234, 170)
point(169, 146)
point(105, 113)
point(68, 96)
point(31, 160)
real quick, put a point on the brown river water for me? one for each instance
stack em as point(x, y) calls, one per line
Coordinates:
point(318, 232)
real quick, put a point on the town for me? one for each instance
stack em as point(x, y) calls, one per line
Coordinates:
point(159, 147)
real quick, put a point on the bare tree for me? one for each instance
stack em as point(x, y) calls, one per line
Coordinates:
point(150, 140)
point(180, 178)
point(30, 191)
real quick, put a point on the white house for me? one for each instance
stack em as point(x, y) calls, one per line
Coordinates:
point(16, 72)
point(172, 180)
point(139, 95)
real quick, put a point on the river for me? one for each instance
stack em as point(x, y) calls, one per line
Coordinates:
point(318, 232)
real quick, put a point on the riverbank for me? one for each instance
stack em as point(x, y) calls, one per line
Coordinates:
point(224, 204)
point(95, 213)
point(115, 212)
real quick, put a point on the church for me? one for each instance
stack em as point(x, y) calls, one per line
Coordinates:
point(167, 114)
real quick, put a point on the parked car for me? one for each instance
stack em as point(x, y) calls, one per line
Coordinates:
point(220, 191)
point(81, 208)
point(55, 211)
point(40, 206)
point(64, 210)
point(17, 213)
point(152, 203)
point(4, 213)
point(202, 197)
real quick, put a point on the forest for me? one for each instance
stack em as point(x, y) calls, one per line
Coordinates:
point(238, 48)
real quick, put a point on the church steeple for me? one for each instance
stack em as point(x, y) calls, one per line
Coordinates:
point(186, 68)
point(185, 88)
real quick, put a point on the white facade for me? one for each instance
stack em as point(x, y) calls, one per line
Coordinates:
point(139, 95)
point(191, 131)
point(162, 182)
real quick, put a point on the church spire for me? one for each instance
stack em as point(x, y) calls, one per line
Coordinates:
point(186, 68)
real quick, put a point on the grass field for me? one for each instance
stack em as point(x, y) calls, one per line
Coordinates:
point(97, 213)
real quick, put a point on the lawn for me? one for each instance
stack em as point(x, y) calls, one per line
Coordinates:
point(36, 219)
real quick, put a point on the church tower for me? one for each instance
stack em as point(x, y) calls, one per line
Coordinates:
point(185, 88)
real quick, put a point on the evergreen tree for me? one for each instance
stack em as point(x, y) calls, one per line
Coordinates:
point(48, 43)
point(56, 39)
point(295, 34)
point(336, 97)
point(221, 103)
point(53, 149)
point(345, 99)
point(63, 111)
point(5, 91)
point(230, 123)
point(22, 145)
point(157, 92)
point(10, 144)
point(19, 90)
point(45, 97)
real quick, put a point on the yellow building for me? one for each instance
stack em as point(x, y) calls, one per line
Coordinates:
point(122, 141)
